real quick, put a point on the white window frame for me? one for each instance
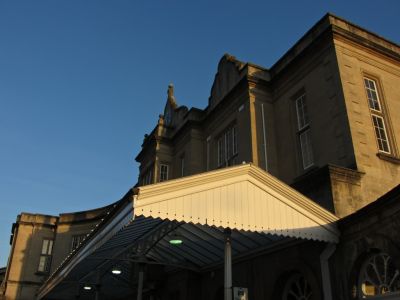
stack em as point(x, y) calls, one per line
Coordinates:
point(302, 112)
point(381, 134)
point(45, 256)
point(164, 173)
point(306, 148)
point(370, 91)
point(304, 132)
point(377, 113)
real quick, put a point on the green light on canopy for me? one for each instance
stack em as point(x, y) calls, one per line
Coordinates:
point(175, 241)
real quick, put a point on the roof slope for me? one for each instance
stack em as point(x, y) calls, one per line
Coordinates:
point(241, 197)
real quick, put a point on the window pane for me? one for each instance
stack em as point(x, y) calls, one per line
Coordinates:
point(76, 240)
point(366, 82)
point(182, 166)
point(372, 94)
point(74, 243)
point(42, 264)
point(46, 263)
point(221, 151)
point(380, 132)
point(227, 147)
point(44, 246)
point(306, 149)
point(163, 172)
point(234, 137)
point(147, 176)
point(50, 248)
point(302, 114)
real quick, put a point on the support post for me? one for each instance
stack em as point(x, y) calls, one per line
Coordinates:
point(97, 292)
point(78, 291)
point(228, 265)
point(140, 281)
point(97, 285)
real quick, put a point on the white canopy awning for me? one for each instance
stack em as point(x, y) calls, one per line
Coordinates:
point(241, 197)
point(262, 212)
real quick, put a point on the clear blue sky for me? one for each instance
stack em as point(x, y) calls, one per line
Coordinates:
point(81, 82)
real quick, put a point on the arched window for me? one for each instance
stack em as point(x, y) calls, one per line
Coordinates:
point(379, 278)
point(297, 287)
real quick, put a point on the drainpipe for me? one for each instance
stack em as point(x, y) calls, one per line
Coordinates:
point(325, 271)
point(264, 137)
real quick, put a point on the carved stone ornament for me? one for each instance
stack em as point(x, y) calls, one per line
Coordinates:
point(170, 105)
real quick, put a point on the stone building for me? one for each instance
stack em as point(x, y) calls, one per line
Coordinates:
point(328, 109)
point(319, 127)
point(39, 243)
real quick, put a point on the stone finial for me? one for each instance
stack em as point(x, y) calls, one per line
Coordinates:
point(171, 97)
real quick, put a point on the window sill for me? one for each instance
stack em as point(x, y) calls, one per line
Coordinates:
point(389, 158)
point(39, 273)
point(305, 173)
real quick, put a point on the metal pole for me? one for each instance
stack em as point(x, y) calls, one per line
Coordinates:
point(228, 266)
point(264, 137)
point(140, 282)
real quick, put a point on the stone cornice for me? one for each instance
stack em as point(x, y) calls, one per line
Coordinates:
point(345, 35)
point(345, 174)
point(339, 28)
